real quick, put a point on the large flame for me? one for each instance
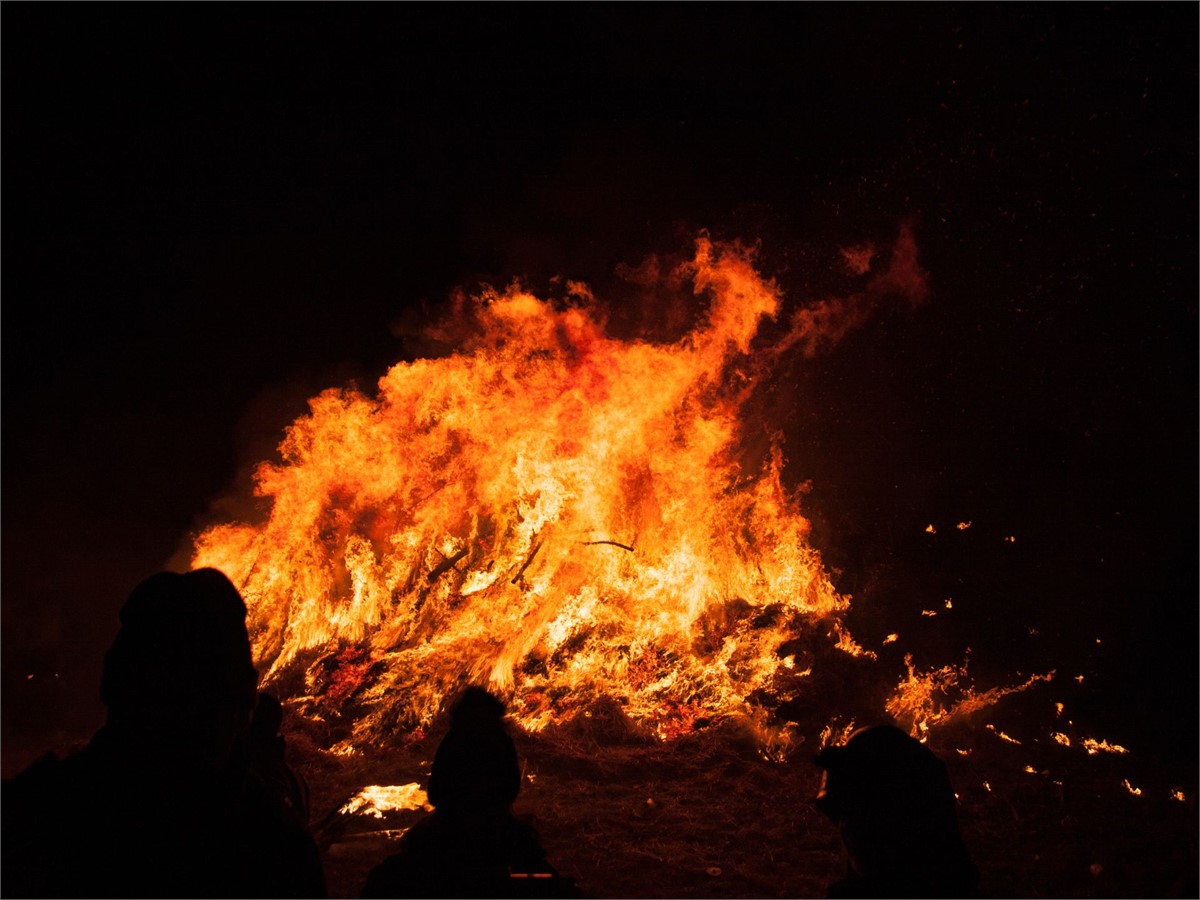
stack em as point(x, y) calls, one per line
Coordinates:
point(550, 511)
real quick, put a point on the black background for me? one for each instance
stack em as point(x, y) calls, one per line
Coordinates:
point(212, 211)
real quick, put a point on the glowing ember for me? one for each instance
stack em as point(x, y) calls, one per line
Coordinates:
point(1102, 746)
point(1000, 734)
point(1061, 738)
point(1137, 792)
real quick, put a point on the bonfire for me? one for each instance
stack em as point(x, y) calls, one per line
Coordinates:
point(602, 530)
point(563, 516)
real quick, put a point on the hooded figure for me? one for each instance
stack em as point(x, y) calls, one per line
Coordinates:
point(892, 800)
point(179, 680)
point(161, 803)
point(471, 845)
point(476, 764)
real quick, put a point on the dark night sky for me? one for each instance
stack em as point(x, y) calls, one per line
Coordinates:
point(212, 211)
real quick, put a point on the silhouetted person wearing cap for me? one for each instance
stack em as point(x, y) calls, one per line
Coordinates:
point(162, 803)
point(471, 845)
point(892, 800)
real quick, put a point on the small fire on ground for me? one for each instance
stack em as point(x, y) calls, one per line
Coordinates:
point(376, 799)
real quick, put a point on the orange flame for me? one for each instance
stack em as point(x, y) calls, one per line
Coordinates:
point(548, 510)
point(1094, 746)
point(938, 696)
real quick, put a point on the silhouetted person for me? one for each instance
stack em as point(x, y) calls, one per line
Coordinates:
point(266, 752)
point(471, 845)
point(161, 803)
point(892, 800)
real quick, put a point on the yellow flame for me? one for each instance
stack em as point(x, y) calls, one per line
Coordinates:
point(1000, 734)
point(376, 799)
point(1094, 746)
point(847, 644)
point(926, 699)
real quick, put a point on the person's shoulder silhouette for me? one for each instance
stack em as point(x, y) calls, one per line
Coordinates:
point(893, 803)
point(471, 845)
point(161, 803)
point(266, 752)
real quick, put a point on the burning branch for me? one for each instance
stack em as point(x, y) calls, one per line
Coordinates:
point(446, 564)
point(525, 565)
point(610, 543)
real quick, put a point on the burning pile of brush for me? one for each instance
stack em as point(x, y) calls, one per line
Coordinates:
point(563, 516)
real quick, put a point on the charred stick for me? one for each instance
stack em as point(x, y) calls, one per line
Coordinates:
point(528, 560)
point(447, 564)
point(610, 543)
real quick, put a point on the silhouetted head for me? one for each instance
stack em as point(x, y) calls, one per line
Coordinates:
point(892, 800)
point(476, 764)
point(268, 715)
point(180, 673)
point(477, 708)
